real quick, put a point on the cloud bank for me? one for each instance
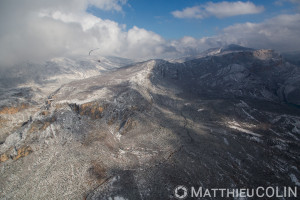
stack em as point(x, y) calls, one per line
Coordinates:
point(280, 33)
point(33, 30)
point(39, 30)
point(220, 10)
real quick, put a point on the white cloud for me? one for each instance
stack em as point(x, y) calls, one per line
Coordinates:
point(190, 12)
point(281, 2)
point(227, 9)
point(39, 30)
point(280, 33)
point(108, 4)
point(220, 10)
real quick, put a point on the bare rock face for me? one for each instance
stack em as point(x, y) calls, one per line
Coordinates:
point(226, 120)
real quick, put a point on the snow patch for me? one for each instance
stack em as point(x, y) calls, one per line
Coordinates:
point(250, 116)
point(294, 179)
point(226, 141)
point(204, 76)
point(256, 139)
point(117, 135)
point(296, 130)
point(236, 126)
point(96, 95)
point(243, 104)
point(117, 198)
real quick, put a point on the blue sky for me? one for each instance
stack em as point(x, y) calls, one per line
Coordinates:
point(155, 15)
point(38, 30)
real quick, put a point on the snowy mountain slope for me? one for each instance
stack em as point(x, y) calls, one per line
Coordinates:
point(258, 73)
point(57, 68)
point(292, 57)
point(214, 51)
point(28, 85)
point(136, 132)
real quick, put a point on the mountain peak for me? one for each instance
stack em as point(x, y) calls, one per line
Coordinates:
point(235, 47)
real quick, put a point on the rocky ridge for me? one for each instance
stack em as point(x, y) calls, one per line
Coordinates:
point(228, 119)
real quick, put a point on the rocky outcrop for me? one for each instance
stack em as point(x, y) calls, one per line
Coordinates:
point(91, 109)
point(3, 157)
point(13, 109)
point(22, 152)
point(41, 125)
point(16, 154)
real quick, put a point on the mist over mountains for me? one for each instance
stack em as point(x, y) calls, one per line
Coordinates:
point(99, 127)
point(40, 30)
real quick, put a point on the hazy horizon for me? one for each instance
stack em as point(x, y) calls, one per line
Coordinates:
point(40, 30)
